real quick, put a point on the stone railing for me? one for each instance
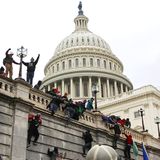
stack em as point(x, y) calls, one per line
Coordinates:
point(40, 100)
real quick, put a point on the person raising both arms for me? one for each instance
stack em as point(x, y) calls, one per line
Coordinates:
point(31, 66)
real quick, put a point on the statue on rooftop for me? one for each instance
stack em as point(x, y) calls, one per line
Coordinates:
point(80, 8)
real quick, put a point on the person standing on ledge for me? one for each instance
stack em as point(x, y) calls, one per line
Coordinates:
point(31, 66)
point(7, 62)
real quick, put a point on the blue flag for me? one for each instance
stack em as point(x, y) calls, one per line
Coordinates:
point(145, 154)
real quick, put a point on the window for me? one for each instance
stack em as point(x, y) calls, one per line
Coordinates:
point(91, 62)
point(53, 69)
point(77, 62)
point(84, 62)
point(98, 62)
point(63, 65)
point(70, 64)
point(105, 65)
point(57, 67)
point(110, 65)
point(136, 114)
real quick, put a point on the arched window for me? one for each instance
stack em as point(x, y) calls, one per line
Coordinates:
point(57, 67)
point(104, 63)
point(84, 62)
point(70, 64)
point(98, 62)
point(91, 62)
point(110, 65)
point(53, 69)
point(63, 65)
point(77, 62)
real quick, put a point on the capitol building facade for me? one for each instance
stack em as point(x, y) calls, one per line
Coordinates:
point(83, 60)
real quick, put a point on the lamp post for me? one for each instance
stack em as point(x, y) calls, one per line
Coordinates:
point(95, 90)
point(157, 121)
point(21, 53)
point(141, 111)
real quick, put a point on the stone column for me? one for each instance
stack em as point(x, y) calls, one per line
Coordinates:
point(90, 87)
point(126, 88)
point(71, 87)
point(49, 87)
point(81, 87)
point(108, 88)
point(115, 88)
point(55, 84)
point(104, 90)
point(121, 87)
point(100, 91)
point(62, 85)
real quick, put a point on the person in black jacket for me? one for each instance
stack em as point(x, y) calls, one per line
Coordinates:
point(117, 132)
point(31, 66)
point(88, 141)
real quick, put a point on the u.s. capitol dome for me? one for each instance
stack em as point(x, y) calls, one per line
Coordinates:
point(83, 60)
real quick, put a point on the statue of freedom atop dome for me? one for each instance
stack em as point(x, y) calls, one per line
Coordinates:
point(80, 8)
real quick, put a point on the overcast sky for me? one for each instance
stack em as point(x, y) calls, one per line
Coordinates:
point(130, 27)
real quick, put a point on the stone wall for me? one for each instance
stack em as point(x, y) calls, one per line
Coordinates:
point(14, 109)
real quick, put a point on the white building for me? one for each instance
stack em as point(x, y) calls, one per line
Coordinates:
point(83, 59)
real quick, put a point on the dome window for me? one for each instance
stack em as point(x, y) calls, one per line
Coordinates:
point(88, 40)
point(72, 42)
point(84, 62)
point(98, 62)
point(63, 65)
point(53, 69)
point(57, 67)
point(104, 63)
point(77, 62)
point(91, 62)
point(77, 41)
point(70, 64)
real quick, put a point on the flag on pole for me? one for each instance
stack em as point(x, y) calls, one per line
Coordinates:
point(135, 150)
point(145, 154)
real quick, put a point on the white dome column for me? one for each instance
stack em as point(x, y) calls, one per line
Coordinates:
point(55, 84)
point(121, 87)
point(81, 87)
point(115, 88)
point(104, 90)
point(49, 87)
point(71, 87)
point(126, 89)
point(100, 90)
point(90, 87)
point(62, 85)
point(108, 88)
